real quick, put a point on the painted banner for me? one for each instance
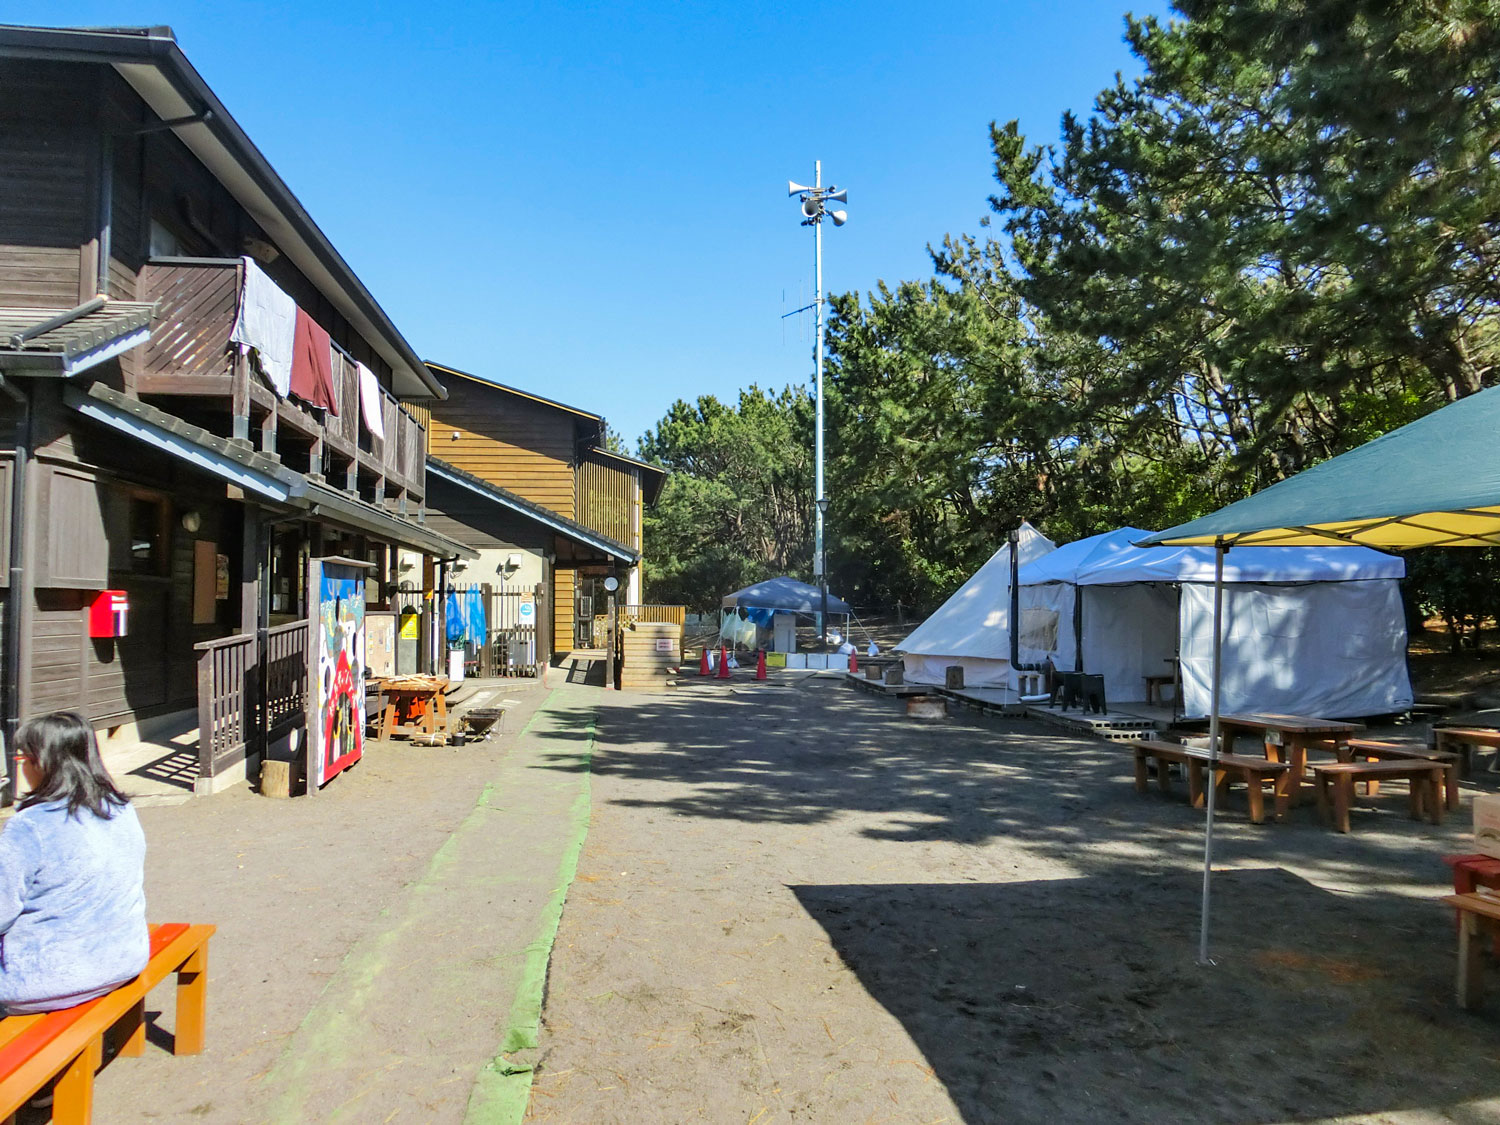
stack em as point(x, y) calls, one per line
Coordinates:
point(336, 737)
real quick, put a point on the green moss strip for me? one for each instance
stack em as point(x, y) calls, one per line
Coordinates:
point(502, 1091)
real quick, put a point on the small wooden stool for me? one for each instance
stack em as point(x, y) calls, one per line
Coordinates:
point(1476, 913)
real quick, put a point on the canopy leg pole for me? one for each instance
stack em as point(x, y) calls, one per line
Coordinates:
point(1213, 750)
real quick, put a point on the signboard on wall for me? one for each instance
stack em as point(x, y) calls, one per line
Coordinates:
point(336, 606)
point(380, 644)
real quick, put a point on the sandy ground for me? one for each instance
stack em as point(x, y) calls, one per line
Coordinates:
point(795, 904)
point(369, 938)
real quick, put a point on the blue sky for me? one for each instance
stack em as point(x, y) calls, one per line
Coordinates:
point(589, 200)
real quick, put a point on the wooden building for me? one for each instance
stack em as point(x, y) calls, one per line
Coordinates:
point(560, 509)
point(143, 452)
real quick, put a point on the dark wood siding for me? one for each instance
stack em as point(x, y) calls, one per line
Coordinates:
point(508, 440)
point(152, 668)
point(44, 204)
point(72, 548)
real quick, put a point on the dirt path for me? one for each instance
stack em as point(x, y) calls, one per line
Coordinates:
point(796, 905)
point(373, 939)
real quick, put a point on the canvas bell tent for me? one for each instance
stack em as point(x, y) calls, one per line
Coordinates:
point(972, 628)
point(1307, 630)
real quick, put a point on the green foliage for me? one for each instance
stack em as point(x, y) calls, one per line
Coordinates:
point(737, 503)
point(1461, 587)
point(1282, 241)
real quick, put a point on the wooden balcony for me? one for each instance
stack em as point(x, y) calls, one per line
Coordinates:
point(190, 356)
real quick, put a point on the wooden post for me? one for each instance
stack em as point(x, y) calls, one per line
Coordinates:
point(251, 555)
point(205, 715)
point(425, 658)
point(1470, 961)
point(543, 629)
point(192, 1001)
point(609, 644)
point(487, 645)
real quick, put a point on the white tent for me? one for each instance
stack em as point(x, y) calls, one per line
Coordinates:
point(972, 628)
point(1308, 630)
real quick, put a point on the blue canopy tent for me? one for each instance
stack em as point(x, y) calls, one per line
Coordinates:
point(785, 595)
point(762, 601)
point(1432, 483)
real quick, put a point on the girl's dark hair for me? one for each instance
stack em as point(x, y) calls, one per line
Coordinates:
point(63, 748)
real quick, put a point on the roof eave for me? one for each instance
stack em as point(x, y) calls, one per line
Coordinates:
point(136, 55)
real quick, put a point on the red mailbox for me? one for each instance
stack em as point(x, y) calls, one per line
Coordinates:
point(108, 613)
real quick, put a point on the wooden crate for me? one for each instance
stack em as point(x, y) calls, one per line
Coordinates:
point(649, 652)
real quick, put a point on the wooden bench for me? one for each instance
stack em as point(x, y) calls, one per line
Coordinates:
point(1374, 750)
point(1340, 777)
point(1476, 913)
point(1254, 772)
point(69, 1044)
point(1465, 738)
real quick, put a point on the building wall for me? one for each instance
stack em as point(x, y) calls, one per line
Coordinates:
point(508, 440)
point(81, 485)
point(54, 118)
point(608, 492)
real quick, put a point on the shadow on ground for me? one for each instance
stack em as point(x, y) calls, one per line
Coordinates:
point(178, 767)
point(1080, 999)
point(810, 751)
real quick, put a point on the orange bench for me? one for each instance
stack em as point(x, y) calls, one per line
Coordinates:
point(69, 1044)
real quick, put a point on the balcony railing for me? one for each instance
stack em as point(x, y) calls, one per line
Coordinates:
point(190, 354)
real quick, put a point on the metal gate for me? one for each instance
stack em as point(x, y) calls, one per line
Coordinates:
point(583, 613)
point(517, 641)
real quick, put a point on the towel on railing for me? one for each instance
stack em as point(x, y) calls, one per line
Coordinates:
point(369, 402)
point(266, 324)
point(312, 365)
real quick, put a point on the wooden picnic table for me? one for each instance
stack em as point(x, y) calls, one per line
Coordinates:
point(413, 705)
point(1287, 739)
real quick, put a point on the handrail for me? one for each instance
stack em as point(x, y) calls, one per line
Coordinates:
point(225, 642)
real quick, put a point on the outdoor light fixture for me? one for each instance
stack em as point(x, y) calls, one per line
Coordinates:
point(815, 199)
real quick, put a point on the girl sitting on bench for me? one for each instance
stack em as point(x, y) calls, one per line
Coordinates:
point(72, 875)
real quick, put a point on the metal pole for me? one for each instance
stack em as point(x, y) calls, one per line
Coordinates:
point(1213, 749)
point(819, 550)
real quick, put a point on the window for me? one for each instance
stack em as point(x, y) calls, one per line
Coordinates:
point(148, 535)
point(164, 243)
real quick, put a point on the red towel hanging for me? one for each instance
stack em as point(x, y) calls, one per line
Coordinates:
point(312, 365)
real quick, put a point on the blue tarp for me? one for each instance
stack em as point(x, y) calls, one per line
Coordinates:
point(785, 595)
point(465, 618)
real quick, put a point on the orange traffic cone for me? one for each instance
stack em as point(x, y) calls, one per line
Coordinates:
point(760, 665)
point(723, 664)
point(854, 663)
point(703, 667)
